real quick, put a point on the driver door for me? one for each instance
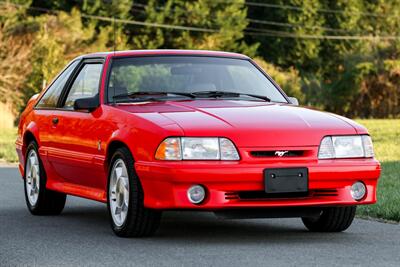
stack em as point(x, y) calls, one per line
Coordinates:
point(78, 152)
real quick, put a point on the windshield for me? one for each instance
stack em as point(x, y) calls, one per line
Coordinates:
point(187, 75)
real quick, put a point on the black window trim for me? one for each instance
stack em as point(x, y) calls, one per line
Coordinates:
point(110, 65)
point(71, 78)
point(50, 85)
point(69, 83)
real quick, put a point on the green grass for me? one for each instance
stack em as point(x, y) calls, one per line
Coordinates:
point(386, 137)
point(7, 144)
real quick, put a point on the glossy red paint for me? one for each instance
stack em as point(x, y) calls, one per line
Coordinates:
point(75, 151)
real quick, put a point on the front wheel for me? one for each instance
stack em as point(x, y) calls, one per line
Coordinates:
point(333, 219)
point(125, 199)
point(39, 199)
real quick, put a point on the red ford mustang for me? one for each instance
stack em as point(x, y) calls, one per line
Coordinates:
point(148, 131)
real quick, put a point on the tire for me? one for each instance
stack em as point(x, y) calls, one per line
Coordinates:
point(39, 199)
point(334, 219)
point(125, 199)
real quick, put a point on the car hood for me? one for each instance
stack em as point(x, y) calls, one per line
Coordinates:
point(247, 123)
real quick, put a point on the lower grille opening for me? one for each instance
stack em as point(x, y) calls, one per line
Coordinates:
point(251, 195)
point(325, 193)
point(231, 195)
point(261, 195)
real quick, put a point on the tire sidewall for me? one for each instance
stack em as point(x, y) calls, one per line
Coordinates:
point(333, 219)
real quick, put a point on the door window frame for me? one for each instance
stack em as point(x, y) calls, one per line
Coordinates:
point(72, 78)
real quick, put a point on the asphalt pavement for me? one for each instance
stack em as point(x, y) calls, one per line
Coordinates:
point(81, 235)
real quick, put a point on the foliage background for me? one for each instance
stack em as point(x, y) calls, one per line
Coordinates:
point(340, 56)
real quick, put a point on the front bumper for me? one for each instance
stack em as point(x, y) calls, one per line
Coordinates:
point(241, 184)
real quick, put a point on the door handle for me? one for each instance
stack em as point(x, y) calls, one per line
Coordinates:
point(55, 120)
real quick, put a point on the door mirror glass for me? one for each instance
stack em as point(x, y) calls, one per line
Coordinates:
point(294, 101)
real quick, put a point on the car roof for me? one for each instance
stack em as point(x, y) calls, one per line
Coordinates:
point(163, 52)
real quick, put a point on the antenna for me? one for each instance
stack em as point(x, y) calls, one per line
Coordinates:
point(114, 48)
point(110, 2)
point(114, 28)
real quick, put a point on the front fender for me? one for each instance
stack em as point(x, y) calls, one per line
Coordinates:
point(32, 128)
point(21, 144)
point(143, 142)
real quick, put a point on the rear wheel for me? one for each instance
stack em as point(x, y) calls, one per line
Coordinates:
point(333, 219)
point(125, 200)
point(39, 199)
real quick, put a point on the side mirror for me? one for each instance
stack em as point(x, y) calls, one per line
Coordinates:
point(294, 101)
point(32, 99)
point(89, 103)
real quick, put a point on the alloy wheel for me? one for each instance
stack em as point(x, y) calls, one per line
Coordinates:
point(119, 192)
point(32, 178)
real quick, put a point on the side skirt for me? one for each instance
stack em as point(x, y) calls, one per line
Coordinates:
point(79, 191)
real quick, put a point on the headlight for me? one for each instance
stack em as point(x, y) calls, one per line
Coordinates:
point(367, 144)
point(197, 148)
point(170, 149)
point(351, 146)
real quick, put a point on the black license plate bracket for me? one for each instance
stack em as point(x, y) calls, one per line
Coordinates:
point(286, 180)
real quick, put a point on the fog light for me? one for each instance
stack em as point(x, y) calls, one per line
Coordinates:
point(196, 194)
point(358, 190)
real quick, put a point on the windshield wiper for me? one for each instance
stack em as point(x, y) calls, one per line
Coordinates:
point(228, 94)
point(266, 98)
point(150, 96)
point(158, 96)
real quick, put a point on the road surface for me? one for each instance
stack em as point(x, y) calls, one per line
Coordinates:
point(81, 235)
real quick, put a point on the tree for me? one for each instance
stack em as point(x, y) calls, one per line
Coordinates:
point(222, 26)
point(287, 52)
point(336, 74)
point(356, 77)
point(15, 46)
point(288, 80)
point(60, 38)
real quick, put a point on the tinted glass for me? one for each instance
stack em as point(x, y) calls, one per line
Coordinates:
point(85, 85)
point(50, 98)
point(188, 74)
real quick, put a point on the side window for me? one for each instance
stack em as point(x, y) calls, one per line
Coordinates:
point(85, 85)
point(50, 98)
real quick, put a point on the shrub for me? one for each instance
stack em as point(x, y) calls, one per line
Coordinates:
point(289, 80)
